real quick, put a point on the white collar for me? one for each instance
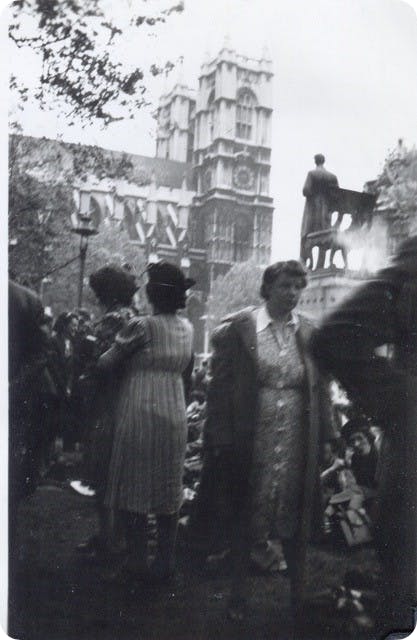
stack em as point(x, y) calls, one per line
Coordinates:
point(263, 319)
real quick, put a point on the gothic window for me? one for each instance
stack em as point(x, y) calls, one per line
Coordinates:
point(211, 106)
point(244, 114)
point(243, 238)
point(129, 223)
point(190, 146)
point(264, 222)
point(196, 231)
point(223, 249)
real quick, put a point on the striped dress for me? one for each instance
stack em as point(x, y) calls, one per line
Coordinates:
point(150, 437)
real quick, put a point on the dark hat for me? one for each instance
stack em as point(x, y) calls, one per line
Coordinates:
point(356, 425)
point(166, 274)
point(112, 283)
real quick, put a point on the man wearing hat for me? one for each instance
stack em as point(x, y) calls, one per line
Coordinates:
point(384, 312)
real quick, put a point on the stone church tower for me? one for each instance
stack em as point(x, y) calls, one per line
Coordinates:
point(232, 212)
point(175, 116)
point(225, 130)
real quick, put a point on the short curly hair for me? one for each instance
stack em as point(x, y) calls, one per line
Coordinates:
point(357, 425)
point(63, 320)
point(112, 284)
point(274, 271)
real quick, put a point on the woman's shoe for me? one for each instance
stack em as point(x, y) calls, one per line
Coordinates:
point(237, 609)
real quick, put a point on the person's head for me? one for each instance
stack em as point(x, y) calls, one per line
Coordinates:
point(66, 324)
point(167, 286)
point(282, 284)
point(113, 285)
point(319, 159)
point(84, 320)
point(358, 436)
point(329, 452)
point(198, 396)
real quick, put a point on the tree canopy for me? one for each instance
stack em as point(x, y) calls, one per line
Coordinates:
point(396, 187)
point(40, 206)
point(237, 289)
point(77, 43)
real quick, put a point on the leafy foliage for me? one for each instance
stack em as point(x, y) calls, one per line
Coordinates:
point(40, 206)
point(77, 44)
point(237, 289)
point(396, 187)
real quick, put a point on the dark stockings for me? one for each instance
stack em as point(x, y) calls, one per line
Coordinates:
point(167, 536)
point(136, 528)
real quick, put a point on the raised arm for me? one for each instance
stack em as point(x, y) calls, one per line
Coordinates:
point(131, 338)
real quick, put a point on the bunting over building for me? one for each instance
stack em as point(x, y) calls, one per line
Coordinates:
point(203, 202)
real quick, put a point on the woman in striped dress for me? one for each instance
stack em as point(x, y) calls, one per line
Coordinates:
point(146, 466)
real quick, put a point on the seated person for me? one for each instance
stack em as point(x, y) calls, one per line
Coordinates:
point(364, 460)
point(349, 484)
point(197, 404)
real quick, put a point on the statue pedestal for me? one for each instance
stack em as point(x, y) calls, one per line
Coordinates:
point(326, 289)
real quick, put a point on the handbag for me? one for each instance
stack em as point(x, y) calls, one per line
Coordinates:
point(355, 525)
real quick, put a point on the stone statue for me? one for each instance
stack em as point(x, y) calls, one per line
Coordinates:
point(318, 207)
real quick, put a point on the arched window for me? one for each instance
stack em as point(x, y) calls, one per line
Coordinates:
point(129, 223)
point(244, 114)
point(243, 238)
point(211, 106)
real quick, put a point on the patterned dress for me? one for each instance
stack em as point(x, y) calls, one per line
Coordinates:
point(148, 453)
point(279, 447)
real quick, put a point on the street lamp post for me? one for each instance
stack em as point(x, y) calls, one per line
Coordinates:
point(84, 230)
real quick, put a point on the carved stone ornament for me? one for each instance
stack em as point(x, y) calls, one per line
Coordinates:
point(207, 179)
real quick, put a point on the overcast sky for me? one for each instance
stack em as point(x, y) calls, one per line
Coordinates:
point(345, 85)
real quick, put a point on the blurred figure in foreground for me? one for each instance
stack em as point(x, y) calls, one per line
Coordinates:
point(383, 313)
point(27, 363)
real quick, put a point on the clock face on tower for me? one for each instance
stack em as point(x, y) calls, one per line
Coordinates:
point(243, 177)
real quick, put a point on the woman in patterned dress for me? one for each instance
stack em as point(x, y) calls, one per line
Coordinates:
point(148, 452)
point(267, 412)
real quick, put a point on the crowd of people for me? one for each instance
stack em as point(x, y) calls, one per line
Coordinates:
point(252, 431)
